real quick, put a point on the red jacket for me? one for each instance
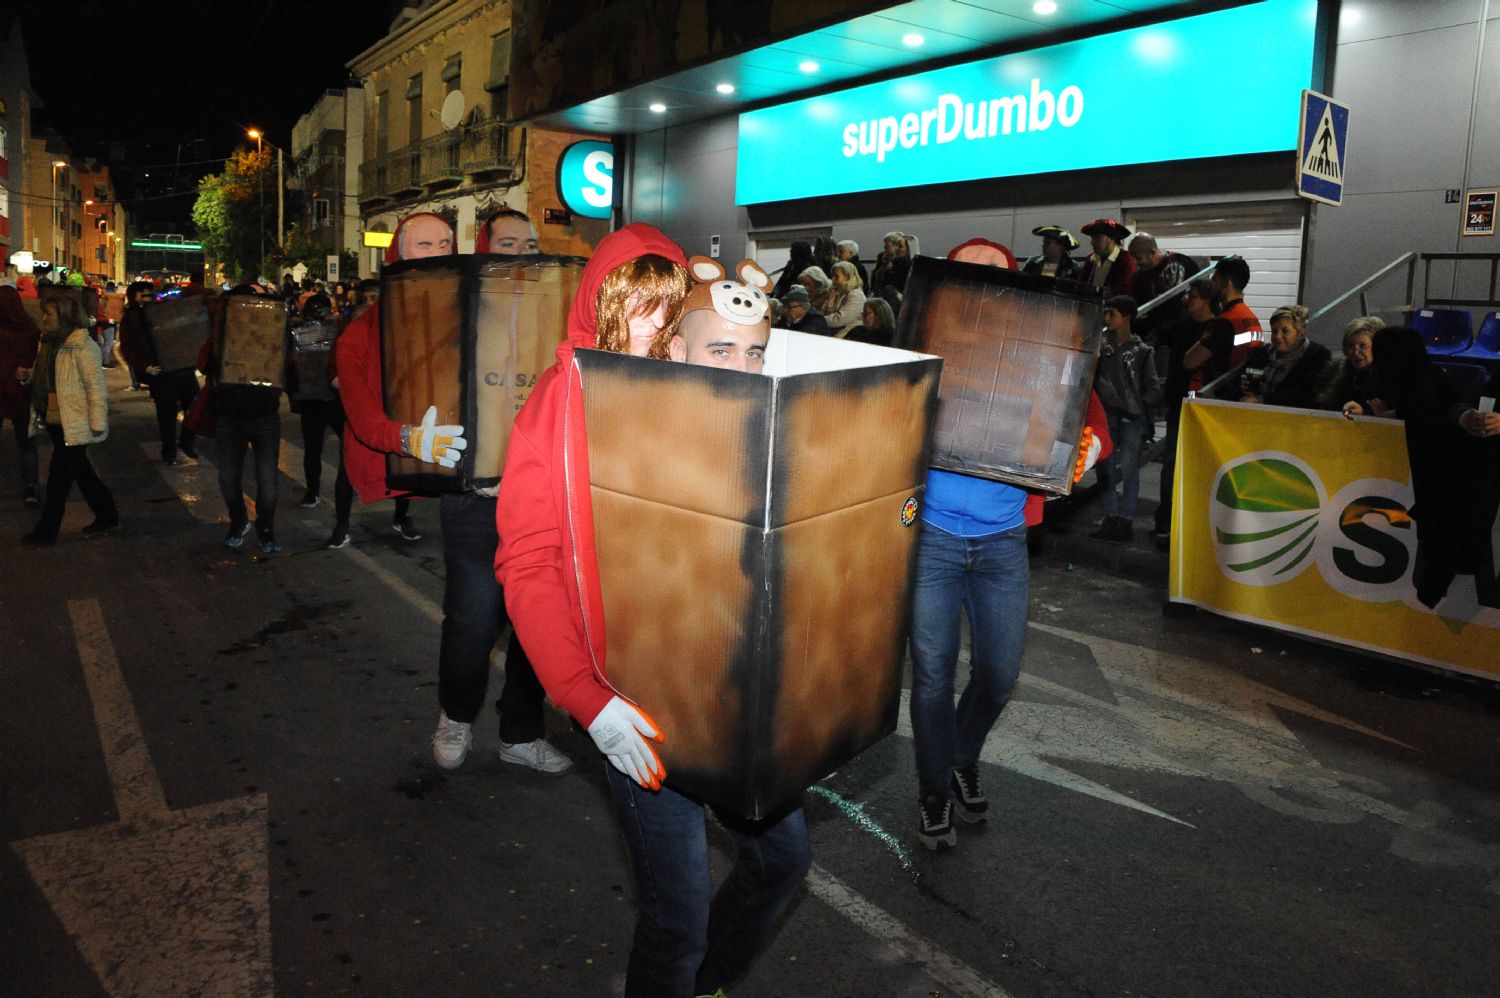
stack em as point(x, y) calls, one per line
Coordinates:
point(369, 435)
point(19, 337)
point(546, 559)
point(1100, 446)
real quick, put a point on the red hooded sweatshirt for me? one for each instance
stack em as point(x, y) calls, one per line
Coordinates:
point(369, 435)
point(546, 559)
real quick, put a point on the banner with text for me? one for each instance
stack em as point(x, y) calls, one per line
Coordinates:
point(1101, 101)
point(1299, 520)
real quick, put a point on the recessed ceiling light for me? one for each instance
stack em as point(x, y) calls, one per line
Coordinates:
point(658, 108)
point(1044, 7)
point(808, 66)
point(725, 88)
point(912, 40)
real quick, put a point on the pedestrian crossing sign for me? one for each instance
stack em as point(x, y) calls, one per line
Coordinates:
point(1322, 147)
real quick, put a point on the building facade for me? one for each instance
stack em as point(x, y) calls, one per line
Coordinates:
point(15, 135)
point(327, 150)
point(861, 127)
point(437, 135)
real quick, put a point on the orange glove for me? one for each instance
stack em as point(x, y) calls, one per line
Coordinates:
point(1088, 453)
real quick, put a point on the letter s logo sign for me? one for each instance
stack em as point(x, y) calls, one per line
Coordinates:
point(586, 178)
point(598, 169)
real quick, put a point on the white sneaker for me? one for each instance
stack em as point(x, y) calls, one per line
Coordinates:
point(450, 742)
point(537, 755)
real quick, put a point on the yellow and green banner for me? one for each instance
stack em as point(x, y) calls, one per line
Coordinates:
point(1299, 520)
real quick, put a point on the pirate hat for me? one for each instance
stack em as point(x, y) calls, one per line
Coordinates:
point(1057, 232)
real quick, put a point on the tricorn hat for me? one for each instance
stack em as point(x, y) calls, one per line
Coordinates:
point(1106, 227)
point(1057, 232)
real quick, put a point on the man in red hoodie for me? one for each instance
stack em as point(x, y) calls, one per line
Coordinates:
point(685, 943)
point(473, 606)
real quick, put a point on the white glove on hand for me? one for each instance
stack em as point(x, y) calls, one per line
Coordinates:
point(621, 731)
point(436, 444)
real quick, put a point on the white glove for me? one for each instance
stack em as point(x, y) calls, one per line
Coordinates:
point(436, 444)
point(621, 731)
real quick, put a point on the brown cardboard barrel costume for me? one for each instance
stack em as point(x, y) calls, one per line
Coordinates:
point(176, 329)
point(250, 340)
point(1019, 353)
point(470, 335)
point(756, 543)
point(312, 347)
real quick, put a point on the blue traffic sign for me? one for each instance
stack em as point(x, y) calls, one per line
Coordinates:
point(1322, 147)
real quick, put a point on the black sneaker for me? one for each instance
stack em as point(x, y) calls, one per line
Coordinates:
point(970, 799)
point(187, 452)
point(37, 539)
point(340, 539)
point(101, 526)
point(936, 829)
point(406, 529)
point(310, 500)
point(236, 537)
point(1106, 531)
point(32, 498)
point(267, 542)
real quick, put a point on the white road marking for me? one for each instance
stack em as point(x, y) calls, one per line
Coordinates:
point(958, 976)
point(162, 901)
point(954, 973)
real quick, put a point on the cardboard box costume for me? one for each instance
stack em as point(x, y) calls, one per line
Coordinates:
point(176, 329)
point(469, 334)
point(250, 340)
point(1019, 353)
point(756, 539)
point(312, 349)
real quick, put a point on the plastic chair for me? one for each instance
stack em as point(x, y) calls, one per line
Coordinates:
point(1486, 348)
point(1447, 331)
point(1468, 379)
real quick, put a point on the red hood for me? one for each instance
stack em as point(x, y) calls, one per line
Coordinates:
point(635, 240)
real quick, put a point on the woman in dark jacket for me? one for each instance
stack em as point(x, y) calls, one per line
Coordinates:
point(19, 337)
point(1349, 384)
point(1288, 371)
point(1455, 468)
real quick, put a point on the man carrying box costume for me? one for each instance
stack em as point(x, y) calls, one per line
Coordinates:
point(685, 943)
point(473, 608)
point(971, 558)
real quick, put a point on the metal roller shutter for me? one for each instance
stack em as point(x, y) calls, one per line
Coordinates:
point(1268, 234)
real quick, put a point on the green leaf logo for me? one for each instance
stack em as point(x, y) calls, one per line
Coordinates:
point(1264, 516)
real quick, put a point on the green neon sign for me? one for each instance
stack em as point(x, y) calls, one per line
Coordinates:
point(180, 247)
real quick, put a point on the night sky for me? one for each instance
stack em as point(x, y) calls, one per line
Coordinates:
point(180, 81)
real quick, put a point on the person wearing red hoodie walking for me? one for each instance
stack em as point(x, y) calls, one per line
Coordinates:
point(473, 606)
point(686, 943)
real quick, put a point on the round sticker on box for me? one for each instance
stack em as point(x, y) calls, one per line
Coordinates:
point(909, 511)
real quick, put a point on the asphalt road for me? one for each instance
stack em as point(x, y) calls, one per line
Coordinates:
point(216, 779)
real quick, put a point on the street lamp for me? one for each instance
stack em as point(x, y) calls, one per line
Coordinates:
point(259, 137)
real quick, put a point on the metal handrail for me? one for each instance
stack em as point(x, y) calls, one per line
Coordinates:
point(1408, 259)
point(1211, 389)
point(1173, 291)
point(1494, 261)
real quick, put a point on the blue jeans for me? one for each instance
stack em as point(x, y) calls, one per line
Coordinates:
point(990, 579)
point(684, 944)
point(263, 435)
point(1124, 464)
point(473, 617)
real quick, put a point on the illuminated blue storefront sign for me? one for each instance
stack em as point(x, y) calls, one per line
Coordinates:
point(586, 178)
point(1220, 84)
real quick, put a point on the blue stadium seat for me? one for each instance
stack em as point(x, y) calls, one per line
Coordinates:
point(1447, 330)
point(1486, 348)
point(1468, 379)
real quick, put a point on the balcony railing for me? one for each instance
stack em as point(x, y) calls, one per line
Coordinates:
point(478, 151)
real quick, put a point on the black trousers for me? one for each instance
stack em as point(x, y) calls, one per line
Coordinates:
point(27, 446)
point(173, 392)
point(69, 465)
point(473, 618)
point(317, 419)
